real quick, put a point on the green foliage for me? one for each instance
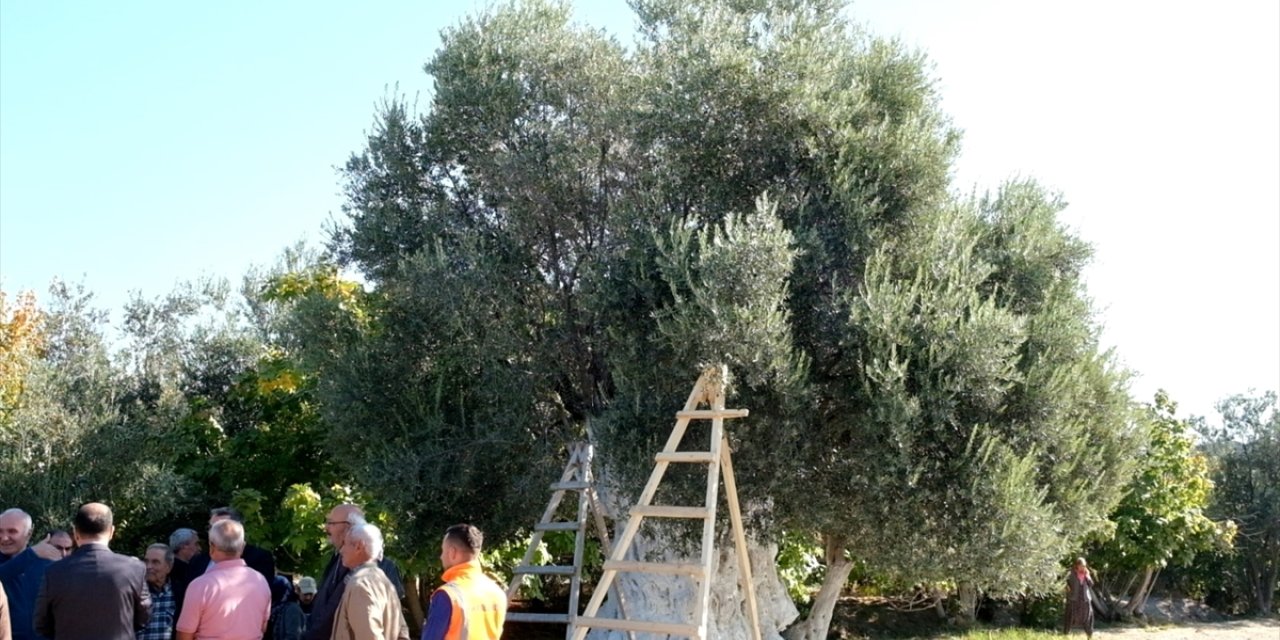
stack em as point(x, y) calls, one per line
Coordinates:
point(501, 560)
point(556, 547)
point(87, 430)
point(1161, 519)
point(800, 566)
point(1043, 612)
point(571, 230)
point(1247, 490)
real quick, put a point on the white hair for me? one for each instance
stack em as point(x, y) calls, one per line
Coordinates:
point(23, 517)
point(370, 535)
point(227, 536)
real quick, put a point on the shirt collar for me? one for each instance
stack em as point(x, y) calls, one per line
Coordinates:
point(227, 564)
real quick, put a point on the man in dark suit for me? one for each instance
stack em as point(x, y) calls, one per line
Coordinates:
point(94, 594)
point(256, 557)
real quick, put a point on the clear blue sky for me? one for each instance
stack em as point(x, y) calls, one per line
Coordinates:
point(144, 143)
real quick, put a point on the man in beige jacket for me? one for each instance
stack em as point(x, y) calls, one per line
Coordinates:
point(370, 607)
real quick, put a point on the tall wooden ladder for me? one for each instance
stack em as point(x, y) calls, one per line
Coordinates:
point(708, 390)
point(576, 477)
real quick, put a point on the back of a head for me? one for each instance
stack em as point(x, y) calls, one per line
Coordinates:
point(466, 538)
point(93, 520)
point(370, 536)
point(181, 537)
point(227, 536)
point(227, 512)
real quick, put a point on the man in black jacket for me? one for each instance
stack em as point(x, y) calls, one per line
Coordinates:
point(332, 586)
point(256, 557)
point(93, 594)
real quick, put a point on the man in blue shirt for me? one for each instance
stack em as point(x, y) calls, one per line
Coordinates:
point(22, 569)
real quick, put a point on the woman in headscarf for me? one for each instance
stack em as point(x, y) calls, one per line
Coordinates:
point(1079, 611)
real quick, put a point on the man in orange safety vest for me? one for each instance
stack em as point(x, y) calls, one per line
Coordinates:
point(470, 606)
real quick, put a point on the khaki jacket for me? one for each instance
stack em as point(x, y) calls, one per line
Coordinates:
point(370, 608)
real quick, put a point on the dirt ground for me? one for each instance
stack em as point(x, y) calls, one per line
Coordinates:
point(1233, 630)
point(863, 618)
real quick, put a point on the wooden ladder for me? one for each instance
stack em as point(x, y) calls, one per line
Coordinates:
point(709, 390)
point(576, 477)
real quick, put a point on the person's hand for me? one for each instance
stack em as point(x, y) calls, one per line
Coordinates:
point(46, 550)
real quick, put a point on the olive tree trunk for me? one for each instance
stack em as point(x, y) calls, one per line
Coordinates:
point(818, 624)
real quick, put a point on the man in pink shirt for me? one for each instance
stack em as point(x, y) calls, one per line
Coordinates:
point(230, 601)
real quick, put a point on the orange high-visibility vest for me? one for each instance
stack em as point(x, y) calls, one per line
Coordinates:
point(479, 604)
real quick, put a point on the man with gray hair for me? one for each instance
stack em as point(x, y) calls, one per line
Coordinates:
point(159, 561)
point(370, 607)
point(230, 600)
point(22, 569)
point(340, 521)
point(185, 544)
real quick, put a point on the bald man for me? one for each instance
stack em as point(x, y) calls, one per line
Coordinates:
point(95, 593)
point(324, 608)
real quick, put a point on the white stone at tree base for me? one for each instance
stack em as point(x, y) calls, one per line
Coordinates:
point(671, 598)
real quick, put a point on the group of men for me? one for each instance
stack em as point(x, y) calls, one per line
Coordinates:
point(77, 588)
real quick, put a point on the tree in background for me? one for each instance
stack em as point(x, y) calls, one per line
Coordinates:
point(572, 229)
point(21, 346)
point(188, 411)
point(1246, 479)
point(1162, 519)
point(83, 430)
point(245, 429)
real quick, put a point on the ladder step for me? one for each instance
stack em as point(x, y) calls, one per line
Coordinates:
point(544, 570)
point(663, 511)
point(556, 526)
point(661, 568)
point(707, 414)
point(684, 456)
point(669, 628)
point(560, 618)
point(576, 485)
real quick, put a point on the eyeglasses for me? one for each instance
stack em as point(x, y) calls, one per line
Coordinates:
point(66, 549)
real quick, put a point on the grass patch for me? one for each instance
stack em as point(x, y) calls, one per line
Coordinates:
point(1000, 634)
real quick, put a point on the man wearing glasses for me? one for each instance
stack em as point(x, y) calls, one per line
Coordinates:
point(329, 593)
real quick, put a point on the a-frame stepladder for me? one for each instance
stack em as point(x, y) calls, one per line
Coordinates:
point(708, 390)
point(576, 477)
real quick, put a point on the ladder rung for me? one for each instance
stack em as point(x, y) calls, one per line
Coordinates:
point(556, 526)
point(707, 414)
point(664, 511)
point(661, 568)
point(669, 628)
point(544, 570)
point(516, 616)
point(684, 456)
point(576, 485)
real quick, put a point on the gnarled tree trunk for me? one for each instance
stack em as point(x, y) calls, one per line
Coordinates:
point(415, 614)
point(818, 624)
point(671, 598)
point(966, 602)
point(1138, 597)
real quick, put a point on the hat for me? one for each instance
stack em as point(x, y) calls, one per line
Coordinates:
point(307, 585)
